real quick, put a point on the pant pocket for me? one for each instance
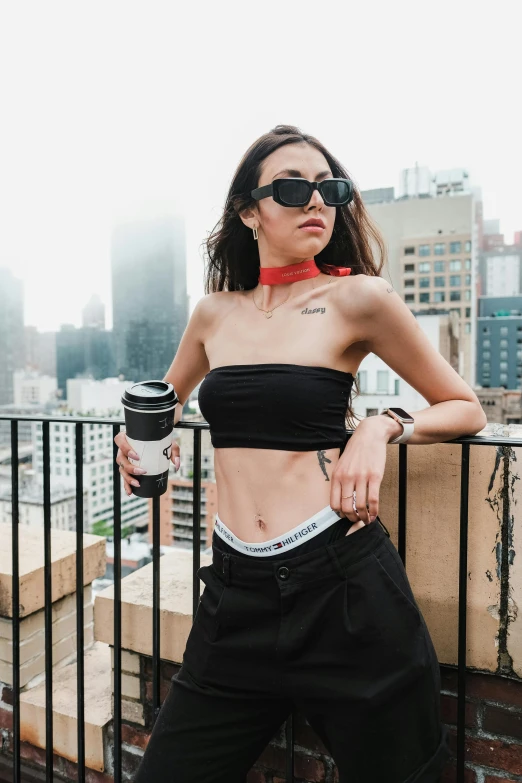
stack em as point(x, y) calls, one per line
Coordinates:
point(211, 601)
point(391, 564)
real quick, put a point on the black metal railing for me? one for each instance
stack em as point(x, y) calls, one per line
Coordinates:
point(197, 427)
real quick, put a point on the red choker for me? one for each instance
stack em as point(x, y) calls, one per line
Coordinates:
point(301, 271)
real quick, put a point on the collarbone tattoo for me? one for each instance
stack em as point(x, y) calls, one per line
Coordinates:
point(311, 311)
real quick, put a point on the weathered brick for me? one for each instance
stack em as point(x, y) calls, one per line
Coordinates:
point(256, 776)
point(130, 761)
point(492, 779)
point(449, 774)
point(448, 706)
point(497, 720)
point(492, 687)
point(132, 735)
point(37, 756)
point(164, 689)
point(91, 775)
point(7, 695)
point(504, 756)
point(309, 768)
point(273, 759)
point(6, 719)
point(306, 736)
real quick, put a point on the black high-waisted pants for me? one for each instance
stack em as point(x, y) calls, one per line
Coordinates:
point(332, 629)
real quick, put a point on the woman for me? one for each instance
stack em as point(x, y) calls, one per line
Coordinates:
point(306, 603)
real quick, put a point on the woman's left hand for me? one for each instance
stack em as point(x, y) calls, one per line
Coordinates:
point(360, 469)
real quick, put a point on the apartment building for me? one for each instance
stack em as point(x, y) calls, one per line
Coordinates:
point(431, 240)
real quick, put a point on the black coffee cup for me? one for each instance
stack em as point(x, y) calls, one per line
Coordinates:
point(149, 420)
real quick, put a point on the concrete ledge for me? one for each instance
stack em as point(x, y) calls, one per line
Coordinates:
point(98, 712)
point(63, 566)
point(136, 607)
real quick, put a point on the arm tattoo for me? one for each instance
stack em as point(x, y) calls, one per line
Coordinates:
point(322, 459)
point(389, 290)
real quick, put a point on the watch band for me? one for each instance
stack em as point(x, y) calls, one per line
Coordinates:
point(407, 426)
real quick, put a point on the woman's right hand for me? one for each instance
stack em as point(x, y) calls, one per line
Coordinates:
point(127, 470)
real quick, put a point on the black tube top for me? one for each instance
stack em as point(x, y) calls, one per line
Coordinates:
point(293, 407)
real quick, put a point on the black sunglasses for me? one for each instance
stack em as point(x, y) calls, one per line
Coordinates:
point(297, 192)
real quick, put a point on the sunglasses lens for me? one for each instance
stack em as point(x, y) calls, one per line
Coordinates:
point(294, 193)
point(335, 192)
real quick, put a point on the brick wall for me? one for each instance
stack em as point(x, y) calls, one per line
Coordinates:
point(493, 726)
point(493, 731)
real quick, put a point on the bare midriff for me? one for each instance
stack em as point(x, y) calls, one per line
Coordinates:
point(263, 493)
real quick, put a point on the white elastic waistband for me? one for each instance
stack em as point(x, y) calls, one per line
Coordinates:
point(307, 529)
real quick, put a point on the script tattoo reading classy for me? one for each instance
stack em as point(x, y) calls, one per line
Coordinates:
point(306, 311)
point(322, 459)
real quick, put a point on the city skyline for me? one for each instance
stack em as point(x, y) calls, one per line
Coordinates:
point(135, 130)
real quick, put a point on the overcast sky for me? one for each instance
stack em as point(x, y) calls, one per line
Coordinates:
point(120, 109)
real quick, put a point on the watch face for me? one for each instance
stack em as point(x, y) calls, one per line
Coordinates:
point(403, 416)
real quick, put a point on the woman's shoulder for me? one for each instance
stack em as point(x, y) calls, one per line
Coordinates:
point(364, 292)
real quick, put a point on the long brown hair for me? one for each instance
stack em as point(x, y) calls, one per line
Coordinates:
point(232, 253)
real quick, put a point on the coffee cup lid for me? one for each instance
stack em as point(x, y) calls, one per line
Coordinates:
point(150, 393)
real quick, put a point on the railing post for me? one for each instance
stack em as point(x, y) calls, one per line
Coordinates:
point(463, 588)
point(48, 605)
point(16, 601)
point(196, 519)
point(156, 606)
point(80, 642)
point(117, 610)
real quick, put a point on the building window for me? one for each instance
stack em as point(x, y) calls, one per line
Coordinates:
point(424, 282)
point(503, 378)
point(503, 366)
point(409, 251)
point(396, 386)
point(504, 330)
point(467, 263)
point(486, 366)
point(409, 283)
point(487, 330)
point(424, 298)
point(467, 279)
point(468, 312)
point(503, 355)
point(467, 245)
point(467, 295)
point(439, 266)
point(439, 249)
point(455, 296)
point(486, 343)
point(425, 266)
point(362, 378)
point(424, 250)
point(455, 266)
point(439, 296)
point(455, 280)
point(382, 381)
point(455, 247)
point(503, 343)
point(409, 267)
point(487, 355)
point(371, 412)
point(409, 298)
point(439, 282)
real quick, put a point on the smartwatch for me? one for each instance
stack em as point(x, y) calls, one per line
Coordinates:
point(403, 418)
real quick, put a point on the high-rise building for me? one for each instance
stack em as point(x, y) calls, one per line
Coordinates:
point(83, 353)
point(93, 314)
point(499, 342)
point(149, 294)
point(12, 342)
point(40, 351)
point(430, 239)
point(500, 264)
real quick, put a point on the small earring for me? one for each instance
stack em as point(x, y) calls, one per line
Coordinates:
point(255, 232)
